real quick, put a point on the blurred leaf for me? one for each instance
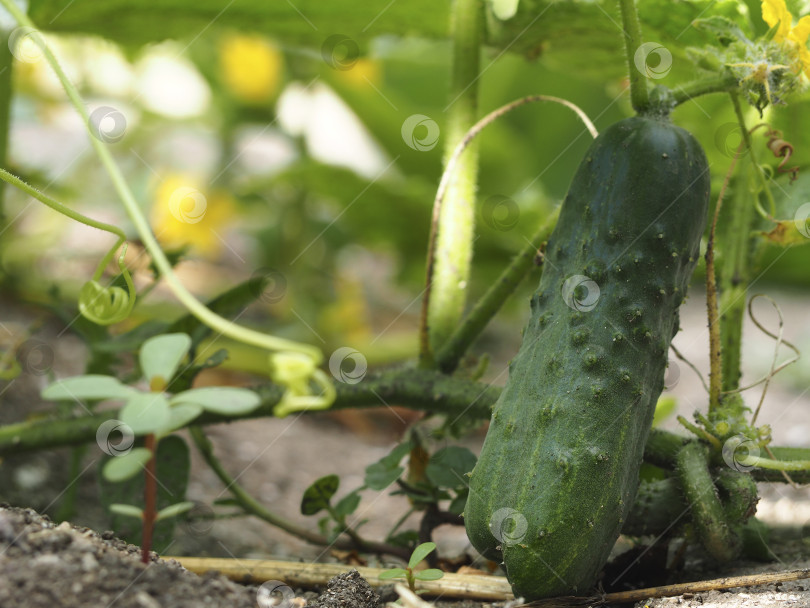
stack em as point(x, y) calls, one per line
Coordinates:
point(431, 574)
point(160, 356)
point(348, 504)
point(392, 573)
point(317, 496)
point(386, 471)
point(420, 553)
point(181, 414)
point(220, 399)
point(126, 466)
point(127, 511)
point(146, 413)
point(449, 466)
point(174, 510)
point(87, 387)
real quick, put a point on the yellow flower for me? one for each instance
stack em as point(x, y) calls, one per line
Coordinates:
point(775, 12)
point(363, 71)
point(184, 213)
point(250, 66)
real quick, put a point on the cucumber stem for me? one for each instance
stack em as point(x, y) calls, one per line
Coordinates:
point(715, 358)
point(707, 511)
point(6, 64)
point(452, 233)
point(639, 96)
point(725, 83)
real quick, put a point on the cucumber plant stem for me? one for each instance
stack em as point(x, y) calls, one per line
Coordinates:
point(725, 83)
point(450, 253)
point(483, 311)
point(639, 95)
point(6, 65)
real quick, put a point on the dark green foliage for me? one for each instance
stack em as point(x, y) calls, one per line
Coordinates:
point(559, 467)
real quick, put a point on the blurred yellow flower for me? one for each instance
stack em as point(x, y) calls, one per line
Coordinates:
point(363, 71)
point(795, 37)
point(250, 67)
point(184, 213)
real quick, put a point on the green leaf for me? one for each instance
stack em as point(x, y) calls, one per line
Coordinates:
point(220, 399)
point(379, 477)
point(392, 573)
point(160, 356)
point(386, 471)
point(420, 553)
point(664, 408)
point(348, 504)
point(174, 510)
point(431, 574)
point(127, 510)
point(317, 496)
point(181, 414)
point(449, 466)
point(121, 468)
point(87, 387)
point(146, 413)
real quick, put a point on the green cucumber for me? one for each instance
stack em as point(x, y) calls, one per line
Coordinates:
point(558, 471)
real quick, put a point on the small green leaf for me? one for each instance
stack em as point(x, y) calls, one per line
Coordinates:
point(174, 510)
point(420, 553)
point(317, 496)
point(127, 510)
point(87, 387)
point(449, 466)
point(431, 574)
point(220, 399)
point(146, 413)
point(130, 464)
point(378, 477)
point(392, 573)
point(348, 504)
point(386, 471)
point(161, 355)
point(181, 414)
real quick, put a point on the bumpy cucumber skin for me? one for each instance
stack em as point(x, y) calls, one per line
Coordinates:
point(567, 435)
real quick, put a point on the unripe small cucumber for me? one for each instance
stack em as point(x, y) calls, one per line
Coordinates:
point(558, 471)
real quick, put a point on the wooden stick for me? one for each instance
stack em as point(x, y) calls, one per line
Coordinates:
point(636, 595)
point(307, 575)
point(451, 585)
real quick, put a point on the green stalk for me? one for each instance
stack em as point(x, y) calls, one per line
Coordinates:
point(735, 271)
point(135, 214)
point(725, 83)
point(6, 63)
point(474, 323)
point(639, 96)
point(707, 511)
point(449, 262)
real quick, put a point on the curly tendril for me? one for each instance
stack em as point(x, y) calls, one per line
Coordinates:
point(297, 372)
point(108, 305)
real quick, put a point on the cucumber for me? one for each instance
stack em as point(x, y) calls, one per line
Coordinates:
point(558, 471)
